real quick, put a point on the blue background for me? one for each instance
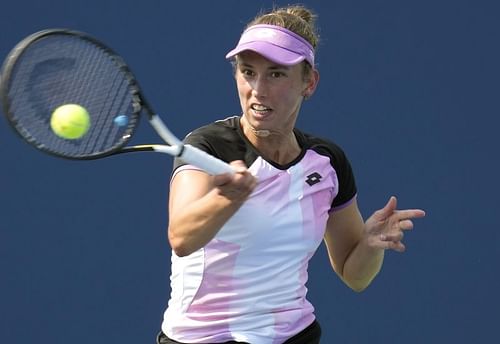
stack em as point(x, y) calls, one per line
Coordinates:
point(408, 88)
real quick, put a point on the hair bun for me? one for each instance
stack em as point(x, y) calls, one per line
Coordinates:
point(296, 18)
point(302, 12)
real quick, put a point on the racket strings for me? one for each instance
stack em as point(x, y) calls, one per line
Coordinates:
point(117, 103)
point(65, 69)
point(100, 129)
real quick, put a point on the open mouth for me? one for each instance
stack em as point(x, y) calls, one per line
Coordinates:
point(261, 109)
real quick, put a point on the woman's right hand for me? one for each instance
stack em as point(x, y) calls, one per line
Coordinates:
point(200, 204)
point(238, 186)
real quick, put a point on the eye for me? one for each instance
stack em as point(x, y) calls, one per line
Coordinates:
point(247, 72)
point(276, 75)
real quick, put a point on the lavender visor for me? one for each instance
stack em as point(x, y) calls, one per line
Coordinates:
point(275, 43)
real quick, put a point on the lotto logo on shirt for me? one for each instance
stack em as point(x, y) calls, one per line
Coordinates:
point(313, 178)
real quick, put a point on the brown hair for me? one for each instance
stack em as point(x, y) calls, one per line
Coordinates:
point(296, 18)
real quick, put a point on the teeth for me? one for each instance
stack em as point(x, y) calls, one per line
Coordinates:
point(259, 107)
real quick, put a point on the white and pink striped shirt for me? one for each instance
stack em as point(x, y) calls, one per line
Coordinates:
point(248, 283)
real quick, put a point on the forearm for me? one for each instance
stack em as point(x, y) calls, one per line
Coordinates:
point(193, 226)
point(362, 265)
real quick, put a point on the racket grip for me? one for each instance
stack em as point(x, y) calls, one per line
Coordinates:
point(205, 161)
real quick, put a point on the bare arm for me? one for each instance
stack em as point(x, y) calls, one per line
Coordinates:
point(356, 249)
point(200, 204)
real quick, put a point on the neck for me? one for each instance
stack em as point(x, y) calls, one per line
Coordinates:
point(280, 147)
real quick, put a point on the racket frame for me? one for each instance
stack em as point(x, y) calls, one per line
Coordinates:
point(174, 146)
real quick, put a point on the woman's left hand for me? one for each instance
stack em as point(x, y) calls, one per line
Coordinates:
point(385, 228)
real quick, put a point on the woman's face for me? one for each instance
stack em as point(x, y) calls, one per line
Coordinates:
point(271, 94)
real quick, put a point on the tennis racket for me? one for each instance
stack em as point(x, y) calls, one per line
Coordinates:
point(55, 67)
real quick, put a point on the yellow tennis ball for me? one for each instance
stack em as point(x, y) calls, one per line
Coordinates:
point(70, 121)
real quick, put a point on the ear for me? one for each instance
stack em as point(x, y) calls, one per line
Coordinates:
point(311, 83)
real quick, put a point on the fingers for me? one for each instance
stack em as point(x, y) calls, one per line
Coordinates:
point(239, 169)
point(405, 225)
point(387, 225)
point(222, 179)
point(395, 237)
point(389, 242)
point(238, 186)
point(392, 240)
point(409, 214)
point(387, 210)
point(394, 245)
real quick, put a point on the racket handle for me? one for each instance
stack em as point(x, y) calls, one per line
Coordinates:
point(205, 161)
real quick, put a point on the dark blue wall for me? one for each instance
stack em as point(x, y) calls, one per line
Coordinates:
point(408, 88)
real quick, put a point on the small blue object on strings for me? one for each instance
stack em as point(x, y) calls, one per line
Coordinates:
point(121, 120)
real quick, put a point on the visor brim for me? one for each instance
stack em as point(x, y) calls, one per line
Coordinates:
point(270, 51)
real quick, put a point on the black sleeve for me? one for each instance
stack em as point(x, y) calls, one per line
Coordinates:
point(219, 139)
point(345, 175)
point(341, 165)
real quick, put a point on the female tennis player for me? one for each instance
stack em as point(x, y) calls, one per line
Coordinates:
point(241, 243)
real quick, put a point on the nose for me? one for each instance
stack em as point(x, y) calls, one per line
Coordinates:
point(260, 86)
